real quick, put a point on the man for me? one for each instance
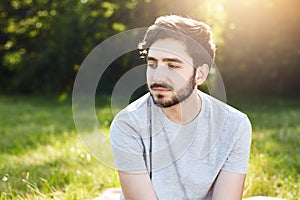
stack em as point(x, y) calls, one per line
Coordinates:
point(178, 142)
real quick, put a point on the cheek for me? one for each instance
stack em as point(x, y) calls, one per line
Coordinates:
point(149, 75)
point(180, 78)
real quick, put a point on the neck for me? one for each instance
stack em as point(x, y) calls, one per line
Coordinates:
point(185, 111)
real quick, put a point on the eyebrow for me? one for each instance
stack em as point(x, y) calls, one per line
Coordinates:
point(166, 59)
point(151, 58)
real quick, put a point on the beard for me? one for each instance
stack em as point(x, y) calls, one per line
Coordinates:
point(177, 96)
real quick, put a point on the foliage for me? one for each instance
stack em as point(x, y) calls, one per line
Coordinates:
point(43, 42)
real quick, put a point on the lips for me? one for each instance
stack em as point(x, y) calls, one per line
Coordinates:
point(161, 89)
point(160, 86)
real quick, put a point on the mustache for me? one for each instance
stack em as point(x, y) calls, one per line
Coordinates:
point(161, 85)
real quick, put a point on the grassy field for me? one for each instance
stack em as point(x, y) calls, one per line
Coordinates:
point(274, 168)
point(42, 157)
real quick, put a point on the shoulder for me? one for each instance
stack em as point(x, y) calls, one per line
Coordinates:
point(222, 112)
point(133, 115)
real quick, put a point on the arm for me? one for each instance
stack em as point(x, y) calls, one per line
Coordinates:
point(136, 186)
point(128, 150)
point(229, 186)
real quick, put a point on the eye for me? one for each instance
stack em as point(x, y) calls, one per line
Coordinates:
point(173, 66)
point(152, 64)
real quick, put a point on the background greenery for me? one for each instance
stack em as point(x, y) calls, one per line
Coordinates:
point(43, 43)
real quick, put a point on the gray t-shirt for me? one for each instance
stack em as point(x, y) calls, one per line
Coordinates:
point(186, 159)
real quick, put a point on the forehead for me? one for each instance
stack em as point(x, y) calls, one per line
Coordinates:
point(169, 48)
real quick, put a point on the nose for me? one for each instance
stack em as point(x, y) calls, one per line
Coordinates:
point(159, 74)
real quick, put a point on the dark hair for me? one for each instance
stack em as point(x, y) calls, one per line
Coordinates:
point(195, 34)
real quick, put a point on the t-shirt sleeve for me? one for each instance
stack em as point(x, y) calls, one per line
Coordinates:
point(127, 145)
point(237, 161)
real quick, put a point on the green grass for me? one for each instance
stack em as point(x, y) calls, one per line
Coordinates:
point(42, 157)
point(274, 167)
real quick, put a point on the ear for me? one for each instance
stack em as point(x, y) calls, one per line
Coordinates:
point(201, 74)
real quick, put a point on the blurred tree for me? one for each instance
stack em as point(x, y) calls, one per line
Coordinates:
point(43, 42)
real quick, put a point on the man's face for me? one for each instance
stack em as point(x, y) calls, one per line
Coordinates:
point(170, 72)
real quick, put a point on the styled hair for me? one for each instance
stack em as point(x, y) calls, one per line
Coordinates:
point(196, 35)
